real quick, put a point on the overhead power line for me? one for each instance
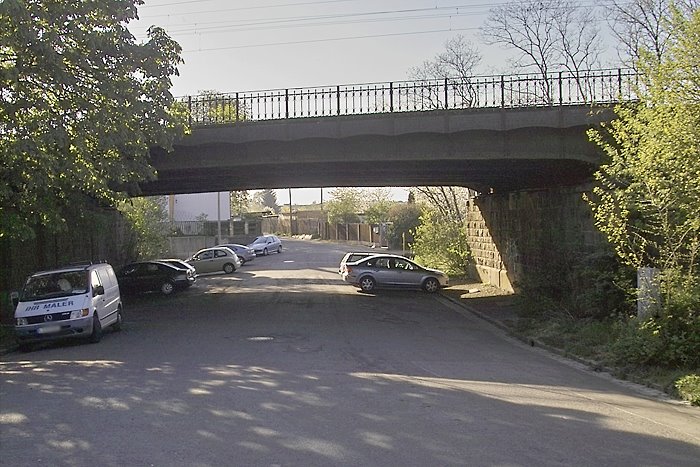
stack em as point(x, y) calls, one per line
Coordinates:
point(332, 39)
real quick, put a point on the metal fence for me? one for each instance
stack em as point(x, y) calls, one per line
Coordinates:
point(507, 91)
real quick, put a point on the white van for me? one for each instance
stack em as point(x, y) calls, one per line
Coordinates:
point(73, 301)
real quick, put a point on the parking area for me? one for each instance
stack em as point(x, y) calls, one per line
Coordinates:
point(282, 363)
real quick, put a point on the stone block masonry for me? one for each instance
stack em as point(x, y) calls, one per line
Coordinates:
point(519, 233)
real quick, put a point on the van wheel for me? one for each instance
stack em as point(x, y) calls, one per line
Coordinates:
point(96, 335)
point(229, 268)
point(120, 320)
point(167, 288)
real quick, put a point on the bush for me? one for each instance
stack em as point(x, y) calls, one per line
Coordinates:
point(689, 389)
point(441, 244)
point(581, 287)
point(668, 341)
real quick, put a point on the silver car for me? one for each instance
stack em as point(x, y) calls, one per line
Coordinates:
point(266, 244)
point(244, 253)
point(392, 271)
point(215, 259)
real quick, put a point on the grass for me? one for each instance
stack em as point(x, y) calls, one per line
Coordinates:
point(590, 340)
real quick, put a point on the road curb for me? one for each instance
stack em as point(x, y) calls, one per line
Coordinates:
point(592, 365)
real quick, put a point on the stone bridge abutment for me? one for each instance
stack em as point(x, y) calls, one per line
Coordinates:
point(534, 232)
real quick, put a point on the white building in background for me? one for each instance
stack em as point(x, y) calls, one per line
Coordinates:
point(191, 206)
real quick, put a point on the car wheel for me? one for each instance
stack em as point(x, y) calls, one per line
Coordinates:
point(96, 335)
point(431, 285)
point(279, 249)
point(120, 320)
point(242, 261)
point(265, 252)
point(229, 268)
point(167, 288)
point(367, 284)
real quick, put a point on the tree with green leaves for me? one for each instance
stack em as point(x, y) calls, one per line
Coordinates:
point(648, 194)
point(211, 106)
point(344, 205)
point(378, 203)
point(404, 218)
point(647, 197)
point(148, 217)
point(81, 104)
point(442, 243)
point(239, 202)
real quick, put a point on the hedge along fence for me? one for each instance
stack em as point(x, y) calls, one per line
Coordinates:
point(97, 235)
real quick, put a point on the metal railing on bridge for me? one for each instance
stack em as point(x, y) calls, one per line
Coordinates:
point(507, 91)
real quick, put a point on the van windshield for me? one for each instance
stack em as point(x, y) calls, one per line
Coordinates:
point(53, 285)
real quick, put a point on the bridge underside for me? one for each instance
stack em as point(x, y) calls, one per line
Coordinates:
point(481, 175)
point(483, 149)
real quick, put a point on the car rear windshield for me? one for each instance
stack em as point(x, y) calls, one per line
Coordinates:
point(352, 257)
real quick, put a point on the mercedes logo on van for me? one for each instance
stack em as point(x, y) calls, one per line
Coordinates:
point(48, 317)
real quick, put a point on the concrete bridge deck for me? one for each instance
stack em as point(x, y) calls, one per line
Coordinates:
point(499, 149)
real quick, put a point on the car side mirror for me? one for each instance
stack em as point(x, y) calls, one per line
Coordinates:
point(99, 290)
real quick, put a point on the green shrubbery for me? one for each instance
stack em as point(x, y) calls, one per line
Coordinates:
point(688, 388)
point(441, 244)
point(578, 286)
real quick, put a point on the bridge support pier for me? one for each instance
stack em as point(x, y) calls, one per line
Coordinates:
point(526, 234)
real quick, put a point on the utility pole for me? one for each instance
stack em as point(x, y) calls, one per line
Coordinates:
point(218, 217)
point(291, 225)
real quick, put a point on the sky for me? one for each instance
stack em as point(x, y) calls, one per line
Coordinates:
point(247, 45)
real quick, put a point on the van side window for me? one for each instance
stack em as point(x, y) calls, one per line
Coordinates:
point(112, 277)
point(94, 280)
point(104, 277)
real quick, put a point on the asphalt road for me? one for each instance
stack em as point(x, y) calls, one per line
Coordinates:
point(281, 363)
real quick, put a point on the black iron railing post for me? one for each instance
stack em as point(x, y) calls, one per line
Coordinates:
point(561, 89)
point(238, 106)
point(446, 105)
point(337, 97)
point(286, 103)
point(391, 97)
point(503, 91)
point(619, 82)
